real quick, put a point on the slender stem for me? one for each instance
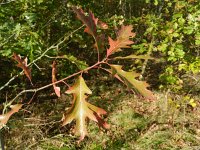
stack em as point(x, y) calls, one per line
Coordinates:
point(98, 54)
point(48, 85)
point(43, 54)
point(31, 98)
point(146, 60)
point(7, 40)
point(13, 78)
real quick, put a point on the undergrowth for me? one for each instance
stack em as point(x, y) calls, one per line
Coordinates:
point(135, 124)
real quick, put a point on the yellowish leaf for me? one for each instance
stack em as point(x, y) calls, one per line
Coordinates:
point(81, 109)
point(130, 79)
point(5, 117)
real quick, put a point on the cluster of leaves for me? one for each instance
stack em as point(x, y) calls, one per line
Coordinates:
point(21, 33)
point(166, 29)
point(29, 28)
point(170, 30)
point(81, 109)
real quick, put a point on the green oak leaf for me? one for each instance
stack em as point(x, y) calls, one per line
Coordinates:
point(129, 78)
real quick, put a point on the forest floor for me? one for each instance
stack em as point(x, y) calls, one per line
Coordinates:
point(136, 124)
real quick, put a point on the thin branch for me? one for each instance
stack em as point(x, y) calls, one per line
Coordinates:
point(43, 54)
point(13, 78)
point(31, 98)
point(66, 84)
point(146, 60)
point(38, 67)
point(6, 41)
point(51, 84)
point(116, 76)
point(56, 57)
point(3, 3)
point(98, 54)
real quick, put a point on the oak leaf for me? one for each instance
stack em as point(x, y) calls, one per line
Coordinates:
point(81, 109)
point(90, 21)
point(122, 40)
point(91, 26)
point(22, 63)
point(130, 79)
point(5, 117)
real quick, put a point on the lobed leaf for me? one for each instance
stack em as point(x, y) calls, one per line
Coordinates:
point(90, 21)
point(5, 117)
point(81, 109)
point(22, 63)
point(129, 79)
point(122, 40)
point(56, 88)
point(91, 26)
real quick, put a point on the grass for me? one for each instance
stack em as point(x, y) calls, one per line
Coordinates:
point(135, 124)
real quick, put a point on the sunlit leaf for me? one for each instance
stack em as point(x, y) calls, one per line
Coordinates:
point(122, 41)
point(102, 25)
point(192, 103)
point(5, 117)
point(81, 109)
point(130, 79)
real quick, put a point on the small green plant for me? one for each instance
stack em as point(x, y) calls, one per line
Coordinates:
point(170, 31)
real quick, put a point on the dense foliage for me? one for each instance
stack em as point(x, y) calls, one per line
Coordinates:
point(42, 44)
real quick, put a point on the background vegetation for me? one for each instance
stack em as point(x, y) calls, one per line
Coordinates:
point(168, 30)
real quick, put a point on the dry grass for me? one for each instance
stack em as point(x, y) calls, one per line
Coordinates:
point(135, 124)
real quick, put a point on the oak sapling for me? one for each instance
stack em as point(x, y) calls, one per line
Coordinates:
point(81, 108)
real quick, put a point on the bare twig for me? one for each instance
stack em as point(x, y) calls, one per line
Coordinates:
point(3, 3)
point(6, 41)
point(43, 54)
point(31, 98)
point(51, 84)
point(13, 78)
point(41, 124)
point(98, 54)
point(38, 67)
